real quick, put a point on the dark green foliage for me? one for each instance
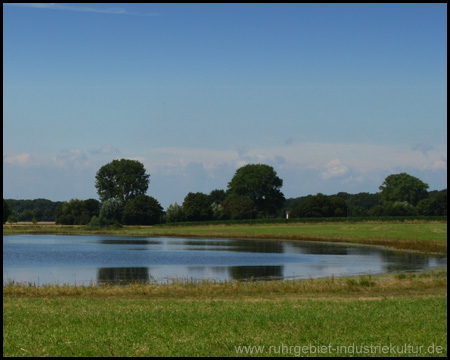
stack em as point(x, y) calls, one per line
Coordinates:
point(359, 204)
point(217, 196)
point(259, 183)
point(197, 207)
point(26, 215)
point(435, 205)
point(399, 208)
point(121, 179)
point(377, 210)
point(12, 219)
point(77, 212)
point(6, 211)
point(37, 214)
point(292, 203)
point(338, 206)
point(239, 207)
point(142, 210)
point(25, 210)
point(403, 187)
point(320, 206)
point(355, 204)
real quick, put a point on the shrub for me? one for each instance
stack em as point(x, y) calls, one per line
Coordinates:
point(142, 210)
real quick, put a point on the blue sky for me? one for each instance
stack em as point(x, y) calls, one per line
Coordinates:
point(334, 96)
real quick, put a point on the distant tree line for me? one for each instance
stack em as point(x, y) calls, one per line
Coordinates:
point(254, 192)
point(364, 205)
point(29, 210)
point(400, 195)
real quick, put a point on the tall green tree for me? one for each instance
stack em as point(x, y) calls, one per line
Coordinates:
point(121, 179)
point(403, 187)
point(259, 183)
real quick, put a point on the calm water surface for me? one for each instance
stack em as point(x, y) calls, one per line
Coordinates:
point(63, 259)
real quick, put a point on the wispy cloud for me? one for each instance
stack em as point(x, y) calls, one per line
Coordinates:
point(65, 7)
point(306, 168)
point(334, 168)
point(71, 158)
point(21, 159)
point(105, 150)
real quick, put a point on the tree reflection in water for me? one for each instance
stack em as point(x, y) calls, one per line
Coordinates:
point(123, 275)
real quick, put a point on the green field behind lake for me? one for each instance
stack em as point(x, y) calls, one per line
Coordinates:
point(395, 315)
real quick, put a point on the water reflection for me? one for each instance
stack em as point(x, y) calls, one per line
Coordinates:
point(256, 272)
point(320, 248)
point(44, 259)
point(127, 242)
point(253, 246)
point(406, 262)
point(123, 276)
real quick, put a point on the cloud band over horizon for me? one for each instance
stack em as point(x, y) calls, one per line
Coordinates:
point(313, 167)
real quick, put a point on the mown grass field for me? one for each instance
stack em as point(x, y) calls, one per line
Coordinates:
point(396, 315)
point(231, 319)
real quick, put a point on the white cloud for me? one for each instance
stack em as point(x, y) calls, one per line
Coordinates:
point(329, 160)
point(21, 159)
point(439, 165)
point(181, 157)
point(423, 148)
point(71, 158)
point(334, 168)
point(363, 157)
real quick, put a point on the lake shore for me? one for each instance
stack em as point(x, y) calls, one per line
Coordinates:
point(421, 236)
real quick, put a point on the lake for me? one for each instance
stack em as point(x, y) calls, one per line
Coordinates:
point(84, 260)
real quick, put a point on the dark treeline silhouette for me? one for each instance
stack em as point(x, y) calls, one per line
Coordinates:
point(254, 192)
point(27, 210)
point(338, 205)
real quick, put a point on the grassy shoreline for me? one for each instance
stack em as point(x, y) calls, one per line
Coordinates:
point(371, 286)
point(422, 236)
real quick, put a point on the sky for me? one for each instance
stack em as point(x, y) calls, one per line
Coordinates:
point(335, 97)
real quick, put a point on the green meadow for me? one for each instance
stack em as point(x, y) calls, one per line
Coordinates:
point(386, 315)
point(372, 315)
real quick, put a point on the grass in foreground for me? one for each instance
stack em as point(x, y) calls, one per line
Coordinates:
point(230, 319)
